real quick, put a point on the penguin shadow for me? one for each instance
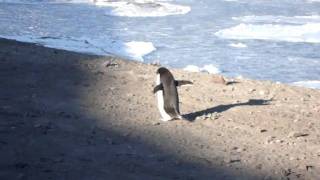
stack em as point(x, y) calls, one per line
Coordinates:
point(221, 108)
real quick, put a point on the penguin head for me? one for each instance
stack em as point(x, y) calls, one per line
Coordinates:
point(162, 70)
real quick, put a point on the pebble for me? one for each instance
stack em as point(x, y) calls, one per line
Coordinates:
point(235, 148)
point(208, 116)
point(279, 141)
point(270, 139)
point(308, 167)
point(215, 115)
point(251, 90)
point(263, 130)
point(303, 99)
point(234, 160)
point(233, 88)
point(236, 101)
point(156, 123)
point(199, 118)
point(297, 134)
point(110, 64)
point(241, 149)
point(296, 120)
point(259, 166)
point(286, 172)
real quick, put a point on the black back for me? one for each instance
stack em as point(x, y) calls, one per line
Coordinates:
point(170, 93)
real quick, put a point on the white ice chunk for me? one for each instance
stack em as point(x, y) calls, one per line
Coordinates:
point(309, 84)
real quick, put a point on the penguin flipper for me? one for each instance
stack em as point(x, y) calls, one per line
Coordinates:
point(157, 88)
point(182, 82)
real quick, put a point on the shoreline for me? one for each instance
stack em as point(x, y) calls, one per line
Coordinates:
point(310, 84)
point(69, 115)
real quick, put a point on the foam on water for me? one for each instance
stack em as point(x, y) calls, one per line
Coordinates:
point(313, 1)
point(192, 68)
point(269, 19)
point(309, 33)
point(143, 8)
point(210, 68)
point(276, 28)
point(309, 84)
point(238, 45)
point(134, 50)
point(45, 2)
point(137, 49)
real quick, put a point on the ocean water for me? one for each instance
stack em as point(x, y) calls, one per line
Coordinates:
point(266, 40)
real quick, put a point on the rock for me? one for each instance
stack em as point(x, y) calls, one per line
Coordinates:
point(235, 148)
point(309, 167)
point(110, 64)
point(292, 158)
point(199, 118)
point(209, 115)
point(296, 120)
point(251, 90)
point(297, 134)
point(234, 160)
point(155, 63)
point(219, 80)
point(279, 141)
point(263, 130)
point(270, 139)
point(99, 73)
point(241, 150)
point(259, 166)
point(236, 101)
point(156, 123)
point(286, 172)
point(214, 116)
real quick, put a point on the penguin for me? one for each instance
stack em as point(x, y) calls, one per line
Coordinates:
point(167, 94)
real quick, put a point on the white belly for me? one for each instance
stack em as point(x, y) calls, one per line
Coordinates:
point(160, 99)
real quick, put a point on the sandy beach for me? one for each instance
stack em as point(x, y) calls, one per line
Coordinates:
point(67, 115)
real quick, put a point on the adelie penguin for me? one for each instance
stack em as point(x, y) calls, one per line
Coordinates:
point(167, 94)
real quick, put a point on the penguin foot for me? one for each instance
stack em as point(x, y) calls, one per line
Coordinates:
point(163, 119)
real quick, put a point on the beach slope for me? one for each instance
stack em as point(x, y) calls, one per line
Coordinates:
point(67, 115)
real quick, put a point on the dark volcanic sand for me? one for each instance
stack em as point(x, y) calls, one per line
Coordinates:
point(66, 115)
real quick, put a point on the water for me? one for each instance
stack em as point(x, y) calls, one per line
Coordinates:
point(268, 40)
